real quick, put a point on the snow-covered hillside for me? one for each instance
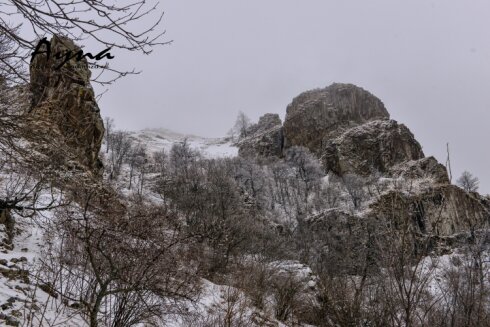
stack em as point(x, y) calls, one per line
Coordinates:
point(162, 228)
point(258, 287)
point(160, 138)
point(27, 301)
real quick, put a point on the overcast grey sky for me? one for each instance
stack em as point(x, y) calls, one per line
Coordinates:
point(428, 61)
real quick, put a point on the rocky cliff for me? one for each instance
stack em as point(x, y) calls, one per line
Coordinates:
point(442, 210)
point(64, 97)
point(420, 169)
point(351, 132)
point(265, 138)
point(315, 116)
point(374, 146)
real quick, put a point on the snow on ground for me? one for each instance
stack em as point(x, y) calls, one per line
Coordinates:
point(158, 139)
point(19, 296)
point(439, 267)
point(218, 303)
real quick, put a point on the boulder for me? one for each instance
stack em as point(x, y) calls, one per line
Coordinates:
point(371, 147)
point(318, 115)
point(65, 98)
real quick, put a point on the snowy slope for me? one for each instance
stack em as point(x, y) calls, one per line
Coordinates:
point(158, 139)
point(22, 301)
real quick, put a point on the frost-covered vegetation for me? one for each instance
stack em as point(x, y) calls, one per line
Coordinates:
point(183, 232)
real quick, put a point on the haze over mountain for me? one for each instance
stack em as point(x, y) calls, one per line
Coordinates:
point(427, 60)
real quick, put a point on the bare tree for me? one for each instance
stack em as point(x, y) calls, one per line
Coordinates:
point(129, 25)
point(240, 129)
point(136, 160)
point(25, 184)
point(109, 126)
point(121, 145)
point(10, 58)
point(163, 180)
point(224, 225)
point(252, 179)
point(354, 185)
point(307, 170)
point(468, 182)
point(120, 269)
point(286, 292)
point(13, 104)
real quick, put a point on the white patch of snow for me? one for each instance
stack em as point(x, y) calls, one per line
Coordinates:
point(158, 139)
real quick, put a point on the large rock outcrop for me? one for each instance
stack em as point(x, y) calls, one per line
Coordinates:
point(65, 98)
point(315, 116)
point(439, 211)
point(350, 130)
point(264, 138)
point(421, 169)
point(370, 147)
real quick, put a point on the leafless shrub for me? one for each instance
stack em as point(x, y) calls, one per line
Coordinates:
point(119, 268)
point(286, 293)
point(465, 287)
point(331, 194)
point(307, 170)
point(121, 145)
point(232, 311)
point(355, 188)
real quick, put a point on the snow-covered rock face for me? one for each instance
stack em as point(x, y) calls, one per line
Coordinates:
point(265, 138)
point(441, 210)
point(316, 115)
point(370, 147)
point(422, 168)
point(349, 129)
point(163, 139)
